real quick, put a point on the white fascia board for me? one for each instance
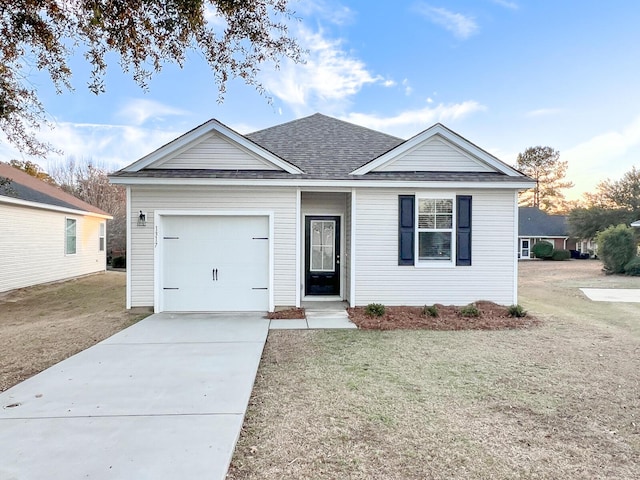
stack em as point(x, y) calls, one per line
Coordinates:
point(212, 125)
point(518, 183)
point(448, 135)
point(53, 208)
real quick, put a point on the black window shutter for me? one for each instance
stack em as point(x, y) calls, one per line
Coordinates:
point(463, 244)
point(406, 229)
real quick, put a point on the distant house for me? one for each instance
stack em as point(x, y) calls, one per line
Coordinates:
point(535, 226)
point(46, 234)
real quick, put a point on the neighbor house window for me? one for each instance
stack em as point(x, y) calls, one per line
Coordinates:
point(70, 236)
point(435, 223)
point(101, 239)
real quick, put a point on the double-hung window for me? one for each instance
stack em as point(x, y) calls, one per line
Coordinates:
point(435, 220)
point(70, 236)
point(101, 238)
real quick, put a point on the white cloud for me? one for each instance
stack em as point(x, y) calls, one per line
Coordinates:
point(543, 112)
point(460, 25)
point(607, 155)
point(410, 122)
point(329, 11)
point(139, 110)
point(325, 82)
point(111, 146)
point(507, 4)
point(408, 89)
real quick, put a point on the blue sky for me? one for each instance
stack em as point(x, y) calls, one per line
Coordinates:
point(505, 74)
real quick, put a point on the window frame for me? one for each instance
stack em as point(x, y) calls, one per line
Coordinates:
point(102, 237)
point(432, 262)
point(66, 236)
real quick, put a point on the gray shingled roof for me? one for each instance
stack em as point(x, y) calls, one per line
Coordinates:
point(533, 222)
point(321, 145)
point(23, 186)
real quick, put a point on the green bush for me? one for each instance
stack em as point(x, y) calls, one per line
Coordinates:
point(561, 255)
point(616, 248)
point(516, 311)
point(374, 310)
point(470, 311)
point(542, 250)
point(119, 262)
point(633, 267)
point(430, 311)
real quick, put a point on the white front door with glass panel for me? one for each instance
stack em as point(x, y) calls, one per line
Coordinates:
point(525, 248)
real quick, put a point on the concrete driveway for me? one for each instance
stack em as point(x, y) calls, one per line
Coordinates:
point(163, 399)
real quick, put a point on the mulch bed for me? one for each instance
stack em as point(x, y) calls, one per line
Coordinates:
point(492, 317)
point(289, 314)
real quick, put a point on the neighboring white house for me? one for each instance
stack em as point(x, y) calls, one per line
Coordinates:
point(318, 209)
point(46, 234)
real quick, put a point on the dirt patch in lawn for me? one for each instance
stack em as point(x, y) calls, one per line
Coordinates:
point(491, 317)
point(42, 325)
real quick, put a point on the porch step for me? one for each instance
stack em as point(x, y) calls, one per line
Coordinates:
point(319, 315)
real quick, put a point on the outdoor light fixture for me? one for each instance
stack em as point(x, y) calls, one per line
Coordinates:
point(142, 219)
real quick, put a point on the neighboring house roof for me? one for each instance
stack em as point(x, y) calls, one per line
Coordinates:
point(533, 222)
point(28, 190)
point(319, 148)
point(636, 224)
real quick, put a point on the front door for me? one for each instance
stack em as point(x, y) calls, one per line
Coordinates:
point(322, 255)
point(524, 248)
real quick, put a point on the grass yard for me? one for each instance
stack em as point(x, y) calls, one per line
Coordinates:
point(561, 400)
point(42, 325)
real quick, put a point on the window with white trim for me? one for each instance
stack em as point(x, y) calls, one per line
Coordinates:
point(435, 224)
point(101, 238)
point(70, 236)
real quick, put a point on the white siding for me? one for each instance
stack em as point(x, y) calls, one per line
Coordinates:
point(32, 247)
point(435, 155)
point(379, 278)
point(282, 202)
point(218, 153)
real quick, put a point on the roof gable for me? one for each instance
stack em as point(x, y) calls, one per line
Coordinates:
point(423, 152)
point(215, 137)
point(435, 154)
point(214, 151)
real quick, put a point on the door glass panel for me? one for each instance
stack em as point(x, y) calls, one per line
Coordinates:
point(322, 244)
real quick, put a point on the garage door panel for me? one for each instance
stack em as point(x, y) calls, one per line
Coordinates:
point(215, 263)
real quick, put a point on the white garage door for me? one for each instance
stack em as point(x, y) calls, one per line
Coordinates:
point(214, 263)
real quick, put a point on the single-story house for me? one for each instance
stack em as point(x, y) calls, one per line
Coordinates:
point(319, 209)
point(535, 226)
point(46, 234)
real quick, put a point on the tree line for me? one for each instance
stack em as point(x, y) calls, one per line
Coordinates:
point(614, 202)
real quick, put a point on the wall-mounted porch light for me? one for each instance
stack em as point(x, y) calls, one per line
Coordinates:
point(142, 219)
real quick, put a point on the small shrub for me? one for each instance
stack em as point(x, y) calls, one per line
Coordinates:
point(470, 311)
point(374, 310)
point(430, 311)
point(516, 311)
point(561, 255)
point(616, 248)
point(119, 262)
point(633, 267)
point(542, 250)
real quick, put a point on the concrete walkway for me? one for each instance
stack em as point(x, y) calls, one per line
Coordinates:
point(628, 295)
point(163, 399)
point(320, 315)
